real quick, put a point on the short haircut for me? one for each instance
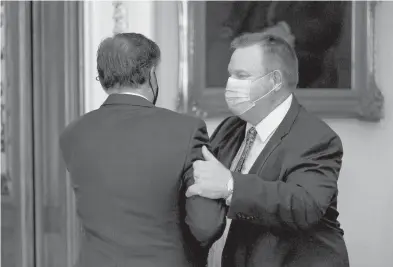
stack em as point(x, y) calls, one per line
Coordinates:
point(126, 60)
point(277, 51)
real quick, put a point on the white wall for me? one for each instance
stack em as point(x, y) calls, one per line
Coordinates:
point(366, 180)
point(98, 25)
point(366, 186)
point(141, 17)
point(166, 36)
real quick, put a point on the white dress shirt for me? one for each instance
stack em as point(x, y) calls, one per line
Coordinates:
point(128, 93)
point(265, 130)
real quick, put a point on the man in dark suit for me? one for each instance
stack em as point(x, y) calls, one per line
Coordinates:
point(275, 164)
point(130, 164)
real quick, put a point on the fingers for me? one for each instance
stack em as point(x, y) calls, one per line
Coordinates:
point(200, 166)
point(193, 190)
point(201, 169)
point(197, 164)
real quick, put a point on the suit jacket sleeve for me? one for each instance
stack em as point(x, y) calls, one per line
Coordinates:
point(298, 202)
point(65, 146)
point(204, 217)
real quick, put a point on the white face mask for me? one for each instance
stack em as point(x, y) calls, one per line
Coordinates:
point(241, 98)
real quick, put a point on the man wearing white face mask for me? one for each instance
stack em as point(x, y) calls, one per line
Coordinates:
point(275, 165)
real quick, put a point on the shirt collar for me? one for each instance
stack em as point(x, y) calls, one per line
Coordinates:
point(128, 93)
point(268, 125)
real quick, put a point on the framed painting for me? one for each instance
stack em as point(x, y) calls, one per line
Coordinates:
point(334, 42)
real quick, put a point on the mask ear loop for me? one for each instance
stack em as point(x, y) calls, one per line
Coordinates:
point(277, 86)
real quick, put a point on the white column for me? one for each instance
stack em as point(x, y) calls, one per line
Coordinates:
point(99, 24)
point(166, 34)
point(140, 16)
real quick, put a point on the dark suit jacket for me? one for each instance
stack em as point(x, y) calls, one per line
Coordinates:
point(284, 212)
point(130, 164)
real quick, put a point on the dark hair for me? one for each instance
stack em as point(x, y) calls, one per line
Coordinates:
point(126, 60)
point(279, 53)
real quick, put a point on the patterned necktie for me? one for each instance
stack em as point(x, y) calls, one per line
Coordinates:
point(250, 138)
point(215, 252)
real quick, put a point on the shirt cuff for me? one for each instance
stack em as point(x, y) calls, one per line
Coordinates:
point(230, 191)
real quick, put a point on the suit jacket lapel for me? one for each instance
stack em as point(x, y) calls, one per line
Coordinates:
point(282, 130)
point(229, 140)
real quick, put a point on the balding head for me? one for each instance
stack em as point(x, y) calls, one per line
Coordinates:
point(277, 54)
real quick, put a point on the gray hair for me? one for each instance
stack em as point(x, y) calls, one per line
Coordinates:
point(126, 60)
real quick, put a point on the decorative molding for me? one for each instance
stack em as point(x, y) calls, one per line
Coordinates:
point(6, 183)
point(120, 16)
point(373, 101)
point(363, 100)
point(182, 96)
point(186, 53)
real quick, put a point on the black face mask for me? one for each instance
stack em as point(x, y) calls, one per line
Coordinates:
point(155, 95)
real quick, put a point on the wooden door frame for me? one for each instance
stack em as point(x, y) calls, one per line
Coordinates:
point(18, 206)
point(58, 98)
